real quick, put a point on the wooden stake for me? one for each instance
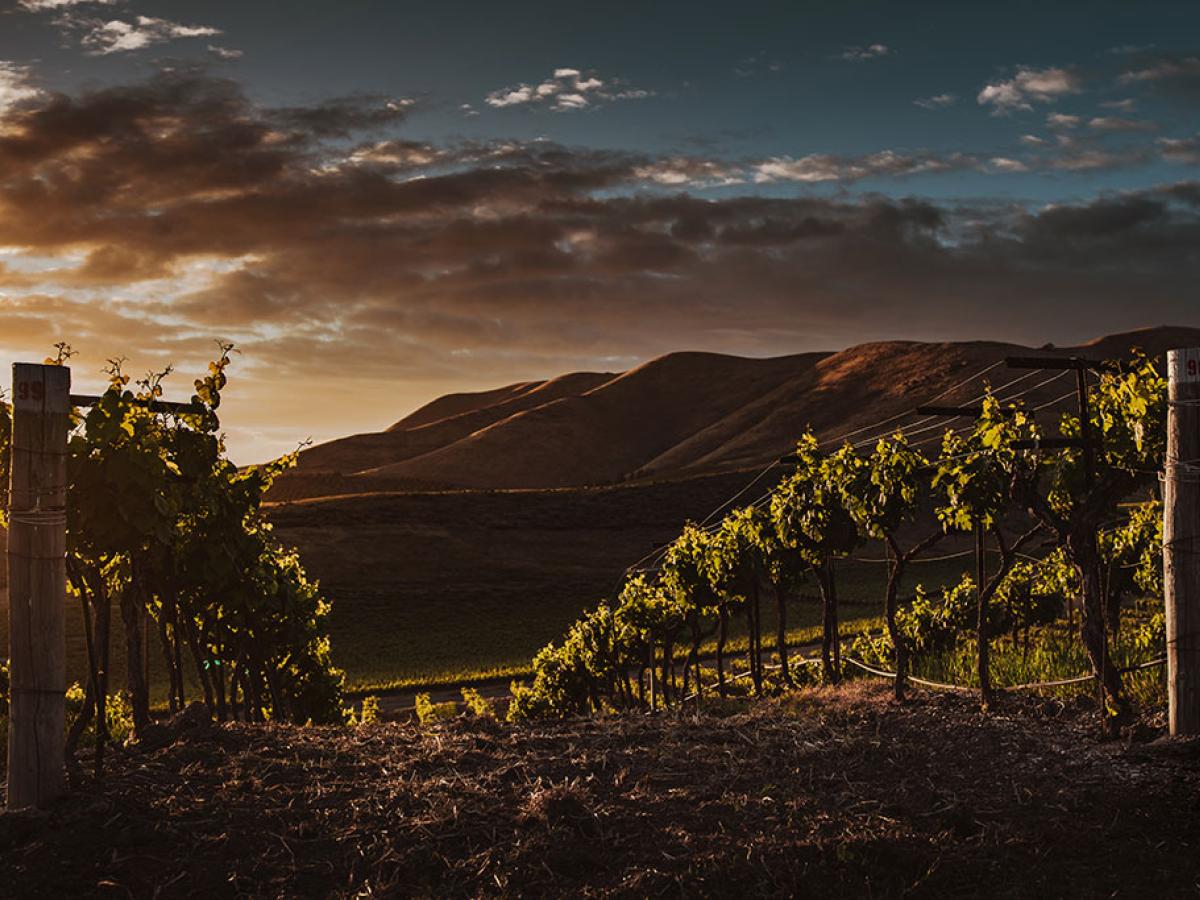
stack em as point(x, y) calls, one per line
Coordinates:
point(1085, 426)
point(1181, 540)
point(37, 585)
point(981, 633)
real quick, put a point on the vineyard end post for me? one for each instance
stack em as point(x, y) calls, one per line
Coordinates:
point(983, 660)
point(1181, 540)
point(37, 584)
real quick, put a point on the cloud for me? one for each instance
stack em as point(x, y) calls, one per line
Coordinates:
point(682, 171)
point(398, 155)
point(1172, 75)
point(570, 101)
point(16, 85)
point(103, 36)
point(1088, 228)
point(1088, 159)
point(862, 54)
point(821, 167)
point(566, 90)
point(512, 96)
point(937, 101)
point(1004, 164)
point(1126, 105)
point(1117, 124)
point(1029, 86)
point(120, 36)
point(1181, 150)
point(60, 5)
point(1080, 144)
point(154, 216)
point(224, 53)
point(1061, 120)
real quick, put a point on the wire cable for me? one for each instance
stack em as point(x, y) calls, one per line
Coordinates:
point(753, 481)
point(841, 437)
point(913, 429)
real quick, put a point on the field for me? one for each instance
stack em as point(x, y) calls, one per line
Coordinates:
point(468, 585)
point(455, 586)
point(834, 793)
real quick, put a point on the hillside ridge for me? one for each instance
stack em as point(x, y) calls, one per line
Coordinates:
point(681, 414)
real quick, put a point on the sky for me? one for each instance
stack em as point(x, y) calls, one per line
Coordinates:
point(382, 202)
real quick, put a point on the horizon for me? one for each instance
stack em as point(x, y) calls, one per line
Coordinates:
point(382, 206)
point(388, 421)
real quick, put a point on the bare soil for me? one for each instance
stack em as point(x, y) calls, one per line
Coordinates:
point(826, 793)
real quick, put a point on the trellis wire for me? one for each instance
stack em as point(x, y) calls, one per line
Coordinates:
point(1033, 685)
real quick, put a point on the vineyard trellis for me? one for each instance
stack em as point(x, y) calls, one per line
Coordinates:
point(1002, 477)
point(159, 524)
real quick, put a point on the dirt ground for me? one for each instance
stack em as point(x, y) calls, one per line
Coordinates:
point(827, 793)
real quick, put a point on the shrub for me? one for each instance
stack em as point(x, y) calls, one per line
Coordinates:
point(429, 712)
point(370, 711)
point(477, 703)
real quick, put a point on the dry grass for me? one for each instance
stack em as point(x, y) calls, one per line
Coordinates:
point(824, 793)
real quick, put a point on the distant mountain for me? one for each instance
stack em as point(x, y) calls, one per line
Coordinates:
point(683, 414)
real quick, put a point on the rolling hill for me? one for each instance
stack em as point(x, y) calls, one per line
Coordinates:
point(680, 415)
point(498, 516)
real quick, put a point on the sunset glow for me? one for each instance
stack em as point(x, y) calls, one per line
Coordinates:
point(384, 203)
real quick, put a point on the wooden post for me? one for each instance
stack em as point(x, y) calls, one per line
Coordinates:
point(1181, 540)
point(37, 584)
point(1085, 426)
point(981, 625)
point(650, 664)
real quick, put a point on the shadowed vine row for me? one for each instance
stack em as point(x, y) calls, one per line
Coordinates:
point(165, 531)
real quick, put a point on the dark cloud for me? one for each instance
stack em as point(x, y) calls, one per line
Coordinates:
point(1103, 219)
point(375, 258)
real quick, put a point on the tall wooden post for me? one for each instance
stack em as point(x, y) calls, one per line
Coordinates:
point(1085, 426)
point(1181, 540)
point(981, 623)
point(37, 584)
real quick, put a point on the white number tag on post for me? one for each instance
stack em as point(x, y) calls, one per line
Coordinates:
point(1183, 365)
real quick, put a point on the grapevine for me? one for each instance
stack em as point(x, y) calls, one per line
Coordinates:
point(162, 527)
point(1062, 534)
